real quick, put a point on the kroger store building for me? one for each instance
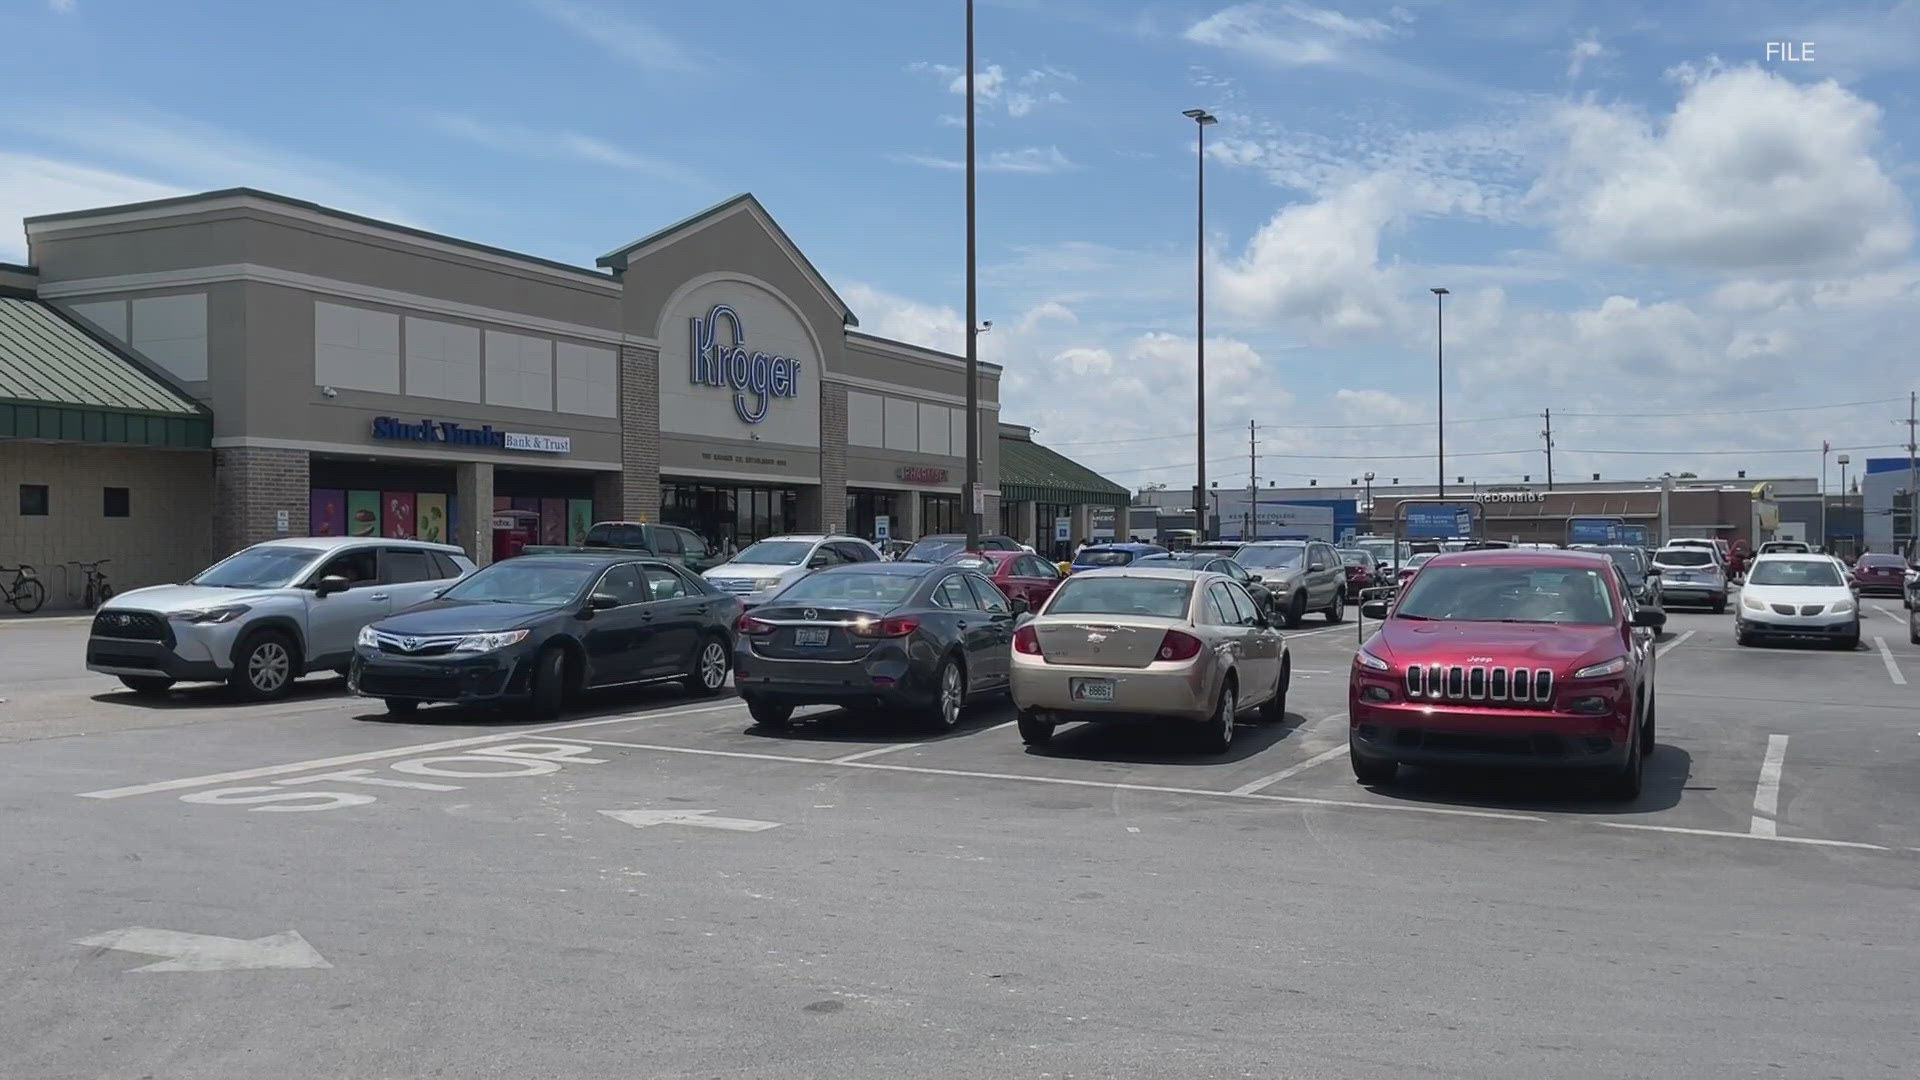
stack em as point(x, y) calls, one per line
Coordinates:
point(334, 374)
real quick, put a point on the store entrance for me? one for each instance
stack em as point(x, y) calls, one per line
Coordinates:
point(723, 514)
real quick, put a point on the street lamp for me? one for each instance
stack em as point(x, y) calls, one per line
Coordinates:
point(1440, 381)
point(1843, 459)
point(973, 326)
point(1368, 477)
point(1202, 119)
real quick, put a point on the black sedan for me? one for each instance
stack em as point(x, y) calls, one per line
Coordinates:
point(1213, 562)
point(538, 629)
point(916, 636)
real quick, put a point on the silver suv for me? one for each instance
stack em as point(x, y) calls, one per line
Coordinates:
point(765, 567)
point(1300, 576)
point(266, 615)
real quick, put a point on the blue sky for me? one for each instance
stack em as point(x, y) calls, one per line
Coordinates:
point(1636, 210)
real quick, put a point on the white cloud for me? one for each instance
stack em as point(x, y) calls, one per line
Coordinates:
point(887, 315)
point(64, 7)
point(1318, 262)
point(620, 34)
point(1751, 172)
point(1049, 311)
point(32, 185)
point(1018, 94)
point(1031, 159)
point(1585, 51)
point(561, 144)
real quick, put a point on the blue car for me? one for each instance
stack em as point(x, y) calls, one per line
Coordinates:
point(1103, 556)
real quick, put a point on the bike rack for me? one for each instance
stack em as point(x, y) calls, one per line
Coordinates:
point(66, 581)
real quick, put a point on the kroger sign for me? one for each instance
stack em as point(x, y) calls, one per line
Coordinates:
point(756, 377)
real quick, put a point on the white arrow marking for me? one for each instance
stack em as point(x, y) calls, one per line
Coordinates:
point(204, 952)
point(641, 819)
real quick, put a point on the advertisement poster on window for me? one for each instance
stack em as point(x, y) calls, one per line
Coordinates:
point(553, 521)
point(397, 519)
point(430, 518)
point(363, 513)
point(501, 502)
point(579, 519)
point(327, 512)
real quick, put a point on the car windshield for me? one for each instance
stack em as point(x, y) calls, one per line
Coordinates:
point(1684, 557)
point(1420, 559)
point(935, 549)
point(1263, 558)
point(971, 560)
point(1811, 572)
point(1162, 597)
point(518, 581)
point(1528, 594)
point(1628, 560)
point(1103, 557)
point(775, 553)
point(857, 589)
point(1355, 558)
point(1179, 560)
point(1882, 560)
point(258, 568)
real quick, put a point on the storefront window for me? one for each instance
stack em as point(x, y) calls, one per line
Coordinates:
point(940, 514)
point(1045, 522)
point(868, 505)
point(720, 513)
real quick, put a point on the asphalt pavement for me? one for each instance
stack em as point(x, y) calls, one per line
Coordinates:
point(652, 886)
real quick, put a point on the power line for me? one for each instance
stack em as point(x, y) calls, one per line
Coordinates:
point(1738, 453)
point(1290, 427)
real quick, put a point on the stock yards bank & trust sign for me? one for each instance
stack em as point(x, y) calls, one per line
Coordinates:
point(756, 377)
point(450, 433)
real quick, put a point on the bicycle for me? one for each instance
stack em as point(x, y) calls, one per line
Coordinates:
point(24, 592)
point(98, 591)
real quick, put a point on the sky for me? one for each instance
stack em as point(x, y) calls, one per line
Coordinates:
point(1697, 254)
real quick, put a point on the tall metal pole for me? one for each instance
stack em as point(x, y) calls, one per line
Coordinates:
point(1200, 312)
point(1548, 435)
point(1440, 382)
point(973, 326)
point(1253, 487)
point(1913, 482)
point(1825, 540)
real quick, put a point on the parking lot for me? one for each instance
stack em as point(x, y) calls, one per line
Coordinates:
point(654, 886)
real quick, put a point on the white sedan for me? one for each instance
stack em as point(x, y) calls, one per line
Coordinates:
point(1803, 597)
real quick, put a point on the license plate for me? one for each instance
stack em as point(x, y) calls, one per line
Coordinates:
point(1093, 689)
point(810, 635)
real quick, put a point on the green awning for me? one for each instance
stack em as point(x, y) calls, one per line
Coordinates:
point(1030, 472)
point(60, 382)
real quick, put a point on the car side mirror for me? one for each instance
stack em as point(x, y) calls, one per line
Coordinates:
point(1374, 609)
point(332, 583)
point(1019, 606)
point(1316, 567)
point(1255, 578)
point(1649, 618)
point(602, 601)
point(816, 562)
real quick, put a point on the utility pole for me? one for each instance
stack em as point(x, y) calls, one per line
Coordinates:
point(973, 327)
point(1202, 119)
point(1913, 482)
point(1253, 487)
point(1440, 389)
point(1548, 435)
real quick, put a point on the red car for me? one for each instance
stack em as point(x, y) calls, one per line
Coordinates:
point(1022, 576)
point(1360, 571)
point(1874, 573)
point(1529, 658)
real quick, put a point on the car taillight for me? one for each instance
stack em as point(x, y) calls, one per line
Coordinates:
point(897, 626)
point(752, 627)
point(1178, 646)
point(1026, 641)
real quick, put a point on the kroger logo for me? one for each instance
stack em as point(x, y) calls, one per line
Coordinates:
point(756, 377)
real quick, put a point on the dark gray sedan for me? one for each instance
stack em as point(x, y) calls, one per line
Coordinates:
point(912, 636)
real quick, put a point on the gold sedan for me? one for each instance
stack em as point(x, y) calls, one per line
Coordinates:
point(1135, 645)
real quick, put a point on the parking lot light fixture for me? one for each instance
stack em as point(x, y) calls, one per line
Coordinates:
point(1202, 119)
point(1440, 382)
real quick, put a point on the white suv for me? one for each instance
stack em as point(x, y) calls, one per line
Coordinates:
point(1691, 574)
point(765, 567)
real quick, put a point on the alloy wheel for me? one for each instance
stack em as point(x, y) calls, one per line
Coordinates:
point(713, 665)
point(950, 695)
point(268, 666)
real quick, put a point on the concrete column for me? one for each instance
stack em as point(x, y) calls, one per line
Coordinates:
point(990, 519)
point(908, 527)
point(833, 457)
point(252, 487)
point(473, 510)
point(1029, 528)
point(639, 433)
point(608, 497)
point(1082, 523)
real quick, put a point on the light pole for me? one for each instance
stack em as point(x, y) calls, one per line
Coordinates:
point(1440, 382)
point(1843, 459)
point(1202, 119)
point(972, 495)
point(1826, 447)
point(1368, 477)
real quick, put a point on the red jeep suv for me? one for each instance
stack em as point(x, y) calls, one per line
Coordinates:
point(1531, 658)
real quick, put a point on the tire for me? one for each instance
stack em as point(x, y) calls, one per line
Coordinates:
point(1719, 605)
point(710, 666)
point(1743, 636)
point(949, 696)
point(1852, 640)
point(147, 685)
point(1275, 708)
point(28, 595)
point(1217, 736)
point(548, 691)
point(1296, 611)
point(1337, 612)
point(263, 667)
point(1647, 727)
point(1370, 772)
point(1625, 784)
point(89, 599)
point(770, 716)
point(401, 707)
point(106, 592)
point(1034, 731)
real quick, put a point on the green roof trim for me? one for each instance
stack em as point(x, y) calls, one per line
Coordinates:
point(1030, 472)
point(60, 381)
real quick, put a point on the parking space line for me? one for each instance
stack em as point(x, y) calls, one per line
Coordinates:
point(1886, 657)
point(865, 754)
point(1741, 836)
point(1888, 612)
point(1766, 795)
point(400, 751)
point(1662, 651)
point(1290, 771)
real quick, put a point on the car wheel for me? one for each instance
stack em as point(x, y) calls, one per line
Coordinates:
point(1647, 726)
point(147, 685)
point(263, 667)
point(549, 690)
point(401, 707)
point(1913, 627)
point(1719, 605)
point(1218, 735)
point(1742, 635)
point(1624, 785)
point(1297, 610)
point(1276, 707)
point(768, 715)
point(1852, 640)
point(1339, 609)
point(709, 668)
point(1035, 731)
point(949, 696)
point(1373, 772)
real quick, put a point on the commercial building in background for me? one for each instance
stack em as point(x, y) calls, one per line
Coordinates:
point(1885, 504)
point(1045, 494)
point(1741, 511)
point(335, 374)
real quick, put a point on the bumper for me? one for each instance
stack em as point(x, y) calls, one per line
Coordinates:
point(1815, 627)
point(1163, 690)
point(479, 678)
point(185, 661)
point(884, 678)
point(1880, 588)
point(1505, 738)
point(1688, 592)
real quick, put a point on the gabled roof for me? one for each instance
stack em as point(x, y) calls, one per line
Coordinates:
point(61, 381)
point(617, 259)
point(1031, 472)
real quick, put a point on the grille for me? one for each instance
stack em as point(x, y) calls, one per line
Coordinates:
point(106, 658)
point(1460, 683)
point(1787, 609)
point(736, 586)
point(421, 646)
point(1811, 609)
point(132, 626)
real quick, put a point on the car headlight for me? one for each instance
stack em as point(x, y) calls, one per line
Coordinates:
point(1368, 660)
point(765, 583)
point(1841, 607)
point(1751, 604)
point(224, 614)
point(366, 640)
point(1612, 667)
point(490, 642)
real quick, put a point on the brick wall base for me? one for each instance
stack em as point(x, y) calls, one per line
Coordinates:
point(833, 457)
point(639, 434)
point(252, 485)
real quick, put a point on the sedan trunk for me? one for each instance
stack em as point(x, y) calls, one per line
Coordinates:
point(1097, 642)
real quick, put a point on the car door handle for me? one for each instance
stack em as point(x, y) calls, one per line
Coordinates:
point(379, 596)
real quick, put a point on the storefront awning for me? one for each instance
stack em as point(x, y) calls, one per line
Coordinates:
point(1030, 472)
point(60, 382)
